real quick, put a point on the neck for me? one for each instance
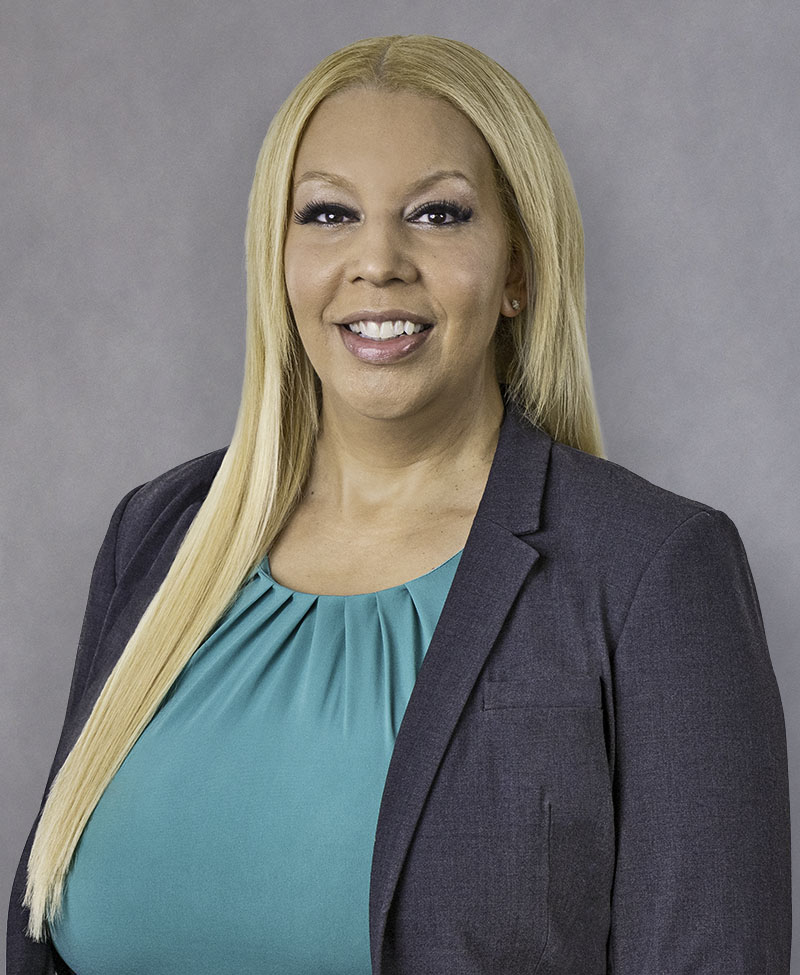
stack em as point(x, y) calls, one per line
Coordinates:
point(438, 456)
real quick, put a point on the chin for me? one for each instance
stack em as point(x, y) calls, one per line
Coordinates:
point(383, 398)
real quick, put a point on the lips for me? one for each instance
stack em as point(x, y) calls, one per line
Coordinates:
point(386, 330)
point(383, 351)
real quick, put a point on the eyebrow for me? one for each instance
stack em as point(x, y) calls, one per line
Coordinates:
point(417, 187)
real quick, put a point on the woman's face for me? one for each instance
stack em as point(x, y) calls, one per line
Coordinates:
point(396, 218)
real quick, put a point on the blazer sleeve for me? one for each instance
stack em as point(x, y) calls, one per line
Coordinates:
point(702, 882)
point(23, 956)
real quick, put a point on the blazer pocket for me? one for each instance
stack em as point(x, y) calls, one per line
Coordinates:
point(564, 691)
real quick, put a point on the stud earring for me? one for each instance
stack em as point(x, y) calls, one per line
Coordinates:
point(515, 304)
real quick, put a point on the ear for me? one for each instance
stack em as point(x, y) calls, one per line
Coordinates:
point(515, 287)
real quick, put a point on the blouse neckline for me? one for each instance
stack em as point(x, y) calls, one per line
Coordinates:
point(264, 570)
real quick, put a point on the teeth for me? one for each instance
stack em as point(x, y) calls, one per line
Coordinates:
point(385, 330)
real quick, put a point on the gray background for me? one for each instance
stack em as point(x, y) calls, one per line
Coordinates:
point(129, 137)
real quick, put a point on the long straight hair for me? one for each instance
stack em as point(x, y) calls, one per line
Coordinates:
point(542, 358)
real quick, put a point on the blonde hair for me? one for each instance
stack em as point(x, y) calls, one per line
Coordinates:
point(543, 361)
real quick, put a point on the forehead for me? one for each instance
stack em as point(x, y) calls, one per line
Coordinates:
point(400, 134)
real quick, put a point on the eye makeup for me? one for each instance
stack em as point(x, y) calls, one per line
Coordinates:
point(459, 213)
point(317, 208)
point(314, 209)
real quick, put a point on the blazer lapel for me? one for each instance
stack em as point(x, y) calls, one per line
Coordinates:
point(494, 565)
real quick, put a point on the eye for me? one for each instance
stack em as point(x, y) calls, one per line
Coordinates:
point(326, 214)
point(442, 213)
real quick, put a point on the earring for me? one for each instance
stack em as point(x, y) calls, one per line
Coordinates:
point(515, 304)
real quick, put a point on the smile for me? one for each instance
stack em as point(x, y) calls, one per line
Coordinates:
point(381, 331)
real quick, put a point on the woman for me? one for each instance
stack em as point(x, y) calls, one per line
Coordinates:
point(414, 521)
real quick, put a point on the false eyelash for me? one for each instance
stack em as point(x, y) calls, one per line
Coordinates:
point(313, 209)
point(461, 213)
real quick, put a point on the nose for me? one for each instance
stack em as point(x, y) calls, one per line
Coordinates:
point(380, 254)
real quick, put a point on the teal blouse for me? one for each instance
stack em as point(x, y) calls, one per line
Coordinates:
point(237, 835)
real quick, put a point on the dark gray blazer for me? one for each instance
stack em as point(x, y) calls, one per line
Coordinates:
point(591, 774)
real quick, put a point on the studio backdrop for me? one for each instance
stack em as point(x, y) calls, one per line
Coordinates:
point(129, 138)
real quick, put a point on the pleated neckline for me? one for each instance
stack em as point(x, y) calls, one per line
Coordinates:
point(265, 571)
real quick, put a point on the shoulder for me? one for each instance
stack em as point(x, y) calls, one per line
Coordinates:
point(607, 495)
point(611, 521)
point(619, 540)
point(567, 493)
point(183, 480)
point(164, 504)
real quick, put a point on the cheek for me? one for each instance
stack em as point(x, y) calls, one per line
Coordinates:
point(474, 283)
point(305, 274)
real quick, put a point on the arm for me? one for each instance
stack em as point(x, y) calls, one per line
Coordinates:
point(702, 881)
point(101, 589)
point(25, 957)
